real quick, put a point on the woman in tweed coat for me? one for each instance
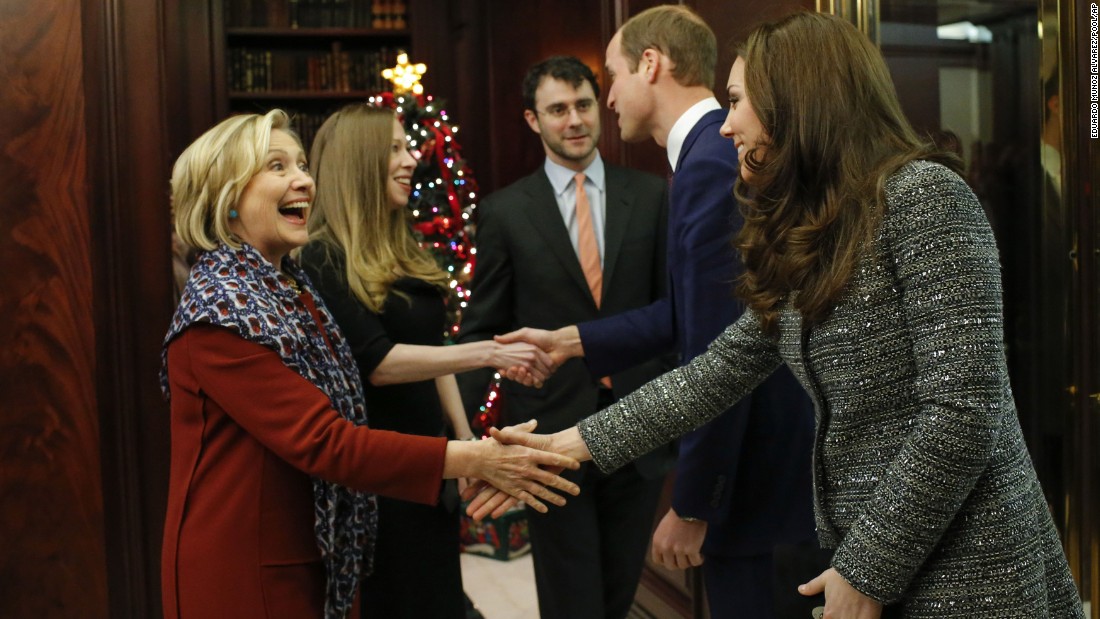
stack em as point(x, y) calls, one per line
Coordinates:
point(872, 272)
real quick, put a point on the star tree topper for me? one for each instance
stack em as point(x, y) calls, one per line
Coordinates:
point(406, 76)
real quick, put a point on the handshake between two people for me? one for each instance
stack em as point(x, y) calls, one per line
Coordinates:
point(519, 465)
point(530, 356)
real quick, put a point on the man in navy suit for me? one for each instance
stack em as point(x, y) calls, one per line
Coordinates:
point(545, 260)
point(742, 481)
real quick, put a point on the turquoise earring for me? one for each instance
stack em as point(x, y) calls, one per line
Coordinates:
point(232, 213)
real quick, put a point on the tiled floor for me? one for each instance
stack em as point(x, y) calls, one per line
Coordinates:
point(501, 589)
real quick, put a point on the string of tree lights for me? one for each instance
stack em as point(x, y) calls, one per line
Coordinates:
point(443, 199)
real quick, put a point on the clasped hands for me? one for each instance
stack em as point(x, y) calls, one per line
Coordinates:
point(538, 353)
point(555, 453)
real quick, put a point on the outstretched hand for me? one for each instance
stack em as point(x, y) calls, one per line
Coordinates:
point(523, 473)
point(842, 600)
point(486, 501)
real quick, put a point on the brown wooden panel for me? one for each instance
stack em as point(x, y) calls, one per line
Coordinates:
point(521, 34)
point(450, 38)
point(51, 512)
point(197, 98)
point(138, 87)
point(732, 22)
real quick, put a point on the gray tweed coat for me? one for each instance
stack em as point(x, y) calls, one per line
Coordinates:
point(922, 481)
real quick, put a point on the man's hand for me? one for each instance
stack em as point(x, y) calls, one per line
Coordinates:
point(677, 543)
point(842, 600)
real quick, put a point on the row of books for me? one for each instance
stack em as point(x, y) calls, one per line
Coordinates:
point(306, 124)
point(379, 14)
point(333, 70)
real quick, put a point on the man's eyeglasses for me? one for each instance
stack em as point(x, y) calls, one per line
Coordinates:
point(561, 110)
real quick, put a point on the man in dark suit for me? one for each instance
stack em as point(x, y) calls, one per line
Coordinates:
point(577, 240)
point(743, 484)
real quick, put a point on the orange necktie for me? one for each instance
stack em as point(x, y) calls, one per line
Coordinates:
point(587, 249)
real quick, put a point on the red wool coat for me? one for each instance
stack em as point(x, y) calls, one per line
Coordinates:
point(247, 435)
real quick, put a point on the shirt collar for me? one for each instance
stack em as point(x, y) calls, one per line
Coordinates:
point(683, 126)
point(560, 176)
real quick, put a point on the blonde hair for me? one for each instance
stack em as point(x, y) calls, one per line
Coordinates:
point(352, 213)
point(677, 32)
point(834, 133)
point(210, 175)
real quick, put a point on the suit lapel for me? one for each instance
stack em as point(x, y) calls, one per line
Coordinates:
point(619, 200)
point(544, 215)
point(705, 123)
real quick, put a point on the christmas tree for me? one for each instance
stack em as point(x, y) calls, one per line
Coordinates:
point(443, 199)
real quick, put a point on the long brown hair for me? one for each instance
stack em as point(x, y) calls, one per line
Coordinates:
point(834, 133)
point(352, 212)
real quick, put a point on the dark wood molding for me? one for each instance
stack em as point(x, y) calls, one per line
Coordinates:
point(127, 130)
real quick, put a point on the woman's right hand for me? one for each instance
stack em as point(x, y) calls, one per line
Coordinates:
point(509, 358)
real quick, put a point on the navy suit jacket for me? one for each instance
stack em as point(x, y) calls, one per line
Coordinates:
point(748, 472)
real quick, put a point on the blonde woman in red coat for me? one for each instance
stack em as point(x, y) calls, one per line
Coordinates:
point(272, 464)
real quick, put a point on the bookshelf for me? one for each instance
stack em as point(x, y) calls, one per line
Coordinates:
point(308, 57)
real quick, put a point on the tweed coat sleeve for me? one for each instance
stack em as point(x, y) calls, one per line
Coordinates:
point(946, 267)
point(683, 399)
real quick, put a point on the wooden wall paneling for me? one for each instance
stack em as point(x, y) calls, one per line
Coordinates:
point(195, 94)
point(127, 83)
point(471, 87)
point(438, 32)
point(521, 34)
point(450, 38)
point(732, 22)
point(51, 514)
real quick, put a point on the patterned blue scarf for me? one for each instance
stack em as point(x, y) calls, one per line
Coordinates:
point(242, 291)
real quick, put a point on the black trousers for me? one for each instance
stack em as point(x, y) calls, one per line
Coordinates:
point(588, 555)
point(417, 571)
